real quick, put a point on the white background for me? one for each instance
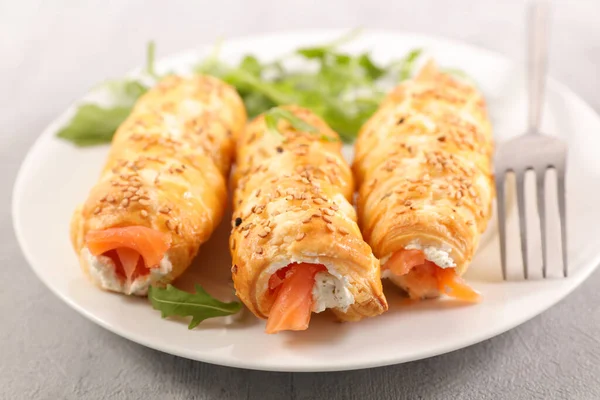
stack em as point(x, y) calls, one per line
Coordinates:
point(53, 52)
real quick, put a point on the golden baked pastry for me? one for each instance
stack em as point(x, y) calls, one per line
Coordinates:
point(163, 189)
point(423, 164)
point(295, 243)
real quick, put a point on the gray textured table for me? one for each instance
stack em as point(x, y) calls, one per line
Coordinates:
point(52, 52)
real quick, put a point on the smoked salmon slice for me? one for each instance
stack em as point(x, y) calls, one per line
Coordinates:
point(130, 243)
point(293, 304)
point(404, 261)
point(455, 286)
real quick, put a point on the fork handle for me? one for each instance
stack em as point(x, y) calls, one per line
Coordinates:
point(537, 59)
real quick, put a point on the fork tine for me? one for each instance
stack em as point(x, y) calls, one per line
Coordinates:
point(500, 200)
point(563, 217)
point(541, 205)
point(520, 176)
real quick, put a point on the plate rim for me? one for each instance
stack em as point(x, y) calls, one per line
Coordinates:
point(19, 185)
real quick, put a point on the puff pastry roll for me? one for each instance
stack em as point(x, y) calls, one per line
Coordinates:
point(295, 243)
point(423, 162)
point(163, 189)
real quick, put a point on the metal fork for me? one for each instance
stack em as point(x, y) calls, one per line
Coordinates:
point(533, 151)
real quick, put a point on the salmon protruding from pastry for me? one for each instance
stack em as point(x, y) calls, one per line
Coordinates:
point(163, 189)
point(295, 244)
point(423, 163)
point(293, 303)
point(420, 276)
point(131, 245)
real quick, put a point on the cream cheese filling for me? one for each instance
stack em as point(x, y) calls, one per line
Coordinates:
point(331, 289)
point(103, 272)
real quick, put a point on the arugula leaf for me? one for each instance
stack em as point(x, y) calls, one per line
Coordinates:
point(344, 89)
point(93, 125)
point(408, 63)
point(252, 65)
point(150, 59)
point(200, 305)
point(372, 69)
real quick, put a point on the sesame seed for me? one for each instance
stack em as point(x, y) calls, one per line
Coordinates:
point(178, 229)
point(330, 227)
point(165, 210)
point(343, 230)
point(259, 250)
point(144, 213)
point(97, 210)
point(125, 202)
point(266, 228)
point(289, 197)
point(246, 233)
point(263, 234)
point(234, 269)
point(110, 199)
point(470, 222)
point(306, 220)
point(326, 219)
point(258, 193)
point(169, 224)
point(318, 200)
point(408, 203)
point(300, 236)
point(328, 211)
point(144, 202)
point(103, 198)
point(335, 207)
point(128, 195)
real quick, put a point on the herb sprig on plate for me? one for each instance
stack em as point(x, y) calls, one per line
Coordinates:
point(344, 89)
point(171, 301)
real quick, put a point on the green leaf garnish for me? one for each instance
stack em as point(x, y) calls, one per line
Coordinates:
point(150, 60)
point(200, 305)
point(408, 64)
point(93, 125)
point(342, 88)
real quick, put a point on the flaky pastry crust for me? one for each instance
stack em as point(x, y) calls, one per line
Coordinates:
point(423, 164)
point(167, 167)
point(292, 203)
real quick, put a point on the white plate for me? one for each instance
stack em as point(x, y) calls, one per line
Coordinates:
point(56, 176)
